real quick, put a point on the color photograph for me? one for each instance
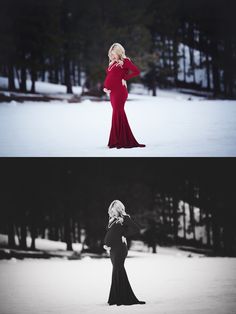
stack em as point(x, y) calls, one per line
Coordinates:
point(117, 78)
point(117, 156)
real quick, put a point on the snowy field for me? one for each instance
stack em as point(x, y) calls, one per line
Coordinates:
point(171, 125)
point(168, 283)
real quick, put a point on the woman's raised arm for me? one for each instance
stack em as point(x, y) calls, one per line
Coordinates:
point(129, 66)
point(130, 227)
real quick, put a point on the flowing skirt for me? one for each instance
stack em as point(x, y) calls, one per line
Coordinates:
point(121, 135)
point(120, 291)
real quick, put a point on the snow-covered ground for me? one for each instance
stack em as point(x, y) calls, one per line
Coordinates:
point(169, 124)
point(168, 283)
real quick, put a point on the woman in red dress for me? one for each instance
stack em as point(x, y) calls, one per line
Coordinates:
point(121, 135)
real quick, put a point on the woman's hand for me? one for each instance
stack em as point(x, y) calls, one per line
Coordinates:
point(107, 91)
point(120, 220)
point(107, 248)
point(124, 240)
point(124, 83)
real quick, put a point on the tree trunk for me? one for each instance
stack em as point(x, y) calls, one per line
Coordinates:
point(23, 234)
point(192, 217)
point(11, 80)
point(175, 217)
point(184, 220)
point(33, 79)
point(184, 63)
point(175, 58)
point(154, 93)
point(228, 69)
point(11, 235)
point(79, 73)
point(191, 50)
point(67, 74)
point(56, 75)
point(208, 71)
point(67, 230)
point(33, 236)
point(228, 240)
point(183, 50)
point(192, 64)
point(67, 70)
point(23, 87)
point(215, 67)
point(216, 234)
point(73, 73)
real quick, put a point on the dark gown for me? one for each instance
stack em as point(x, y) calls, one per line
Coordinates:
point(120, 290)
point(121, 135)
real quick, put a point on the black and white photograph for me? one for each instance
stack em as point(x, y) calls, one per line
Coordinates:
point(88, 235)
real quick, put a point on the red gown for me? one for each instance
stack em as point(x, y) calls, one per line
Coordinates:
point(121, 135)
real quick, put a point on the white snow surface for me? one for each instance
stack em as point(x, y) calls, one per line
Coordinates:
point(169, 284)
point(170, 125)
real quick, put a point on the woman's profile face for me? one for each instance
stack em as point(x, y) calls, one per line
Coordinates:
point(113, 212)
point(114, 56)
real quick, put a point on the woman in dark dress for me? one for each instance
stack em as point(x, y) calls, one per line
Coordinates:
point(119, 227)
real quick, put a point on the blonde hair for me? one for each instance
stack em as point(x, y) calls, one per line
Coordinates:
point(116, 209)
point(119, 50)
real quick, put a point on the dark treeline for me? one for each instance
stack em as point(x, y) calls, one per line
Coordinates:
point(61, 199)
point(174, 42)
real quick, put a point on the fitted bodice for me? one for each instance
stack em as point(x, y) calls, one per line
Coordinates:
point(113, 237)
point(114, 76)
point(118, 72)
